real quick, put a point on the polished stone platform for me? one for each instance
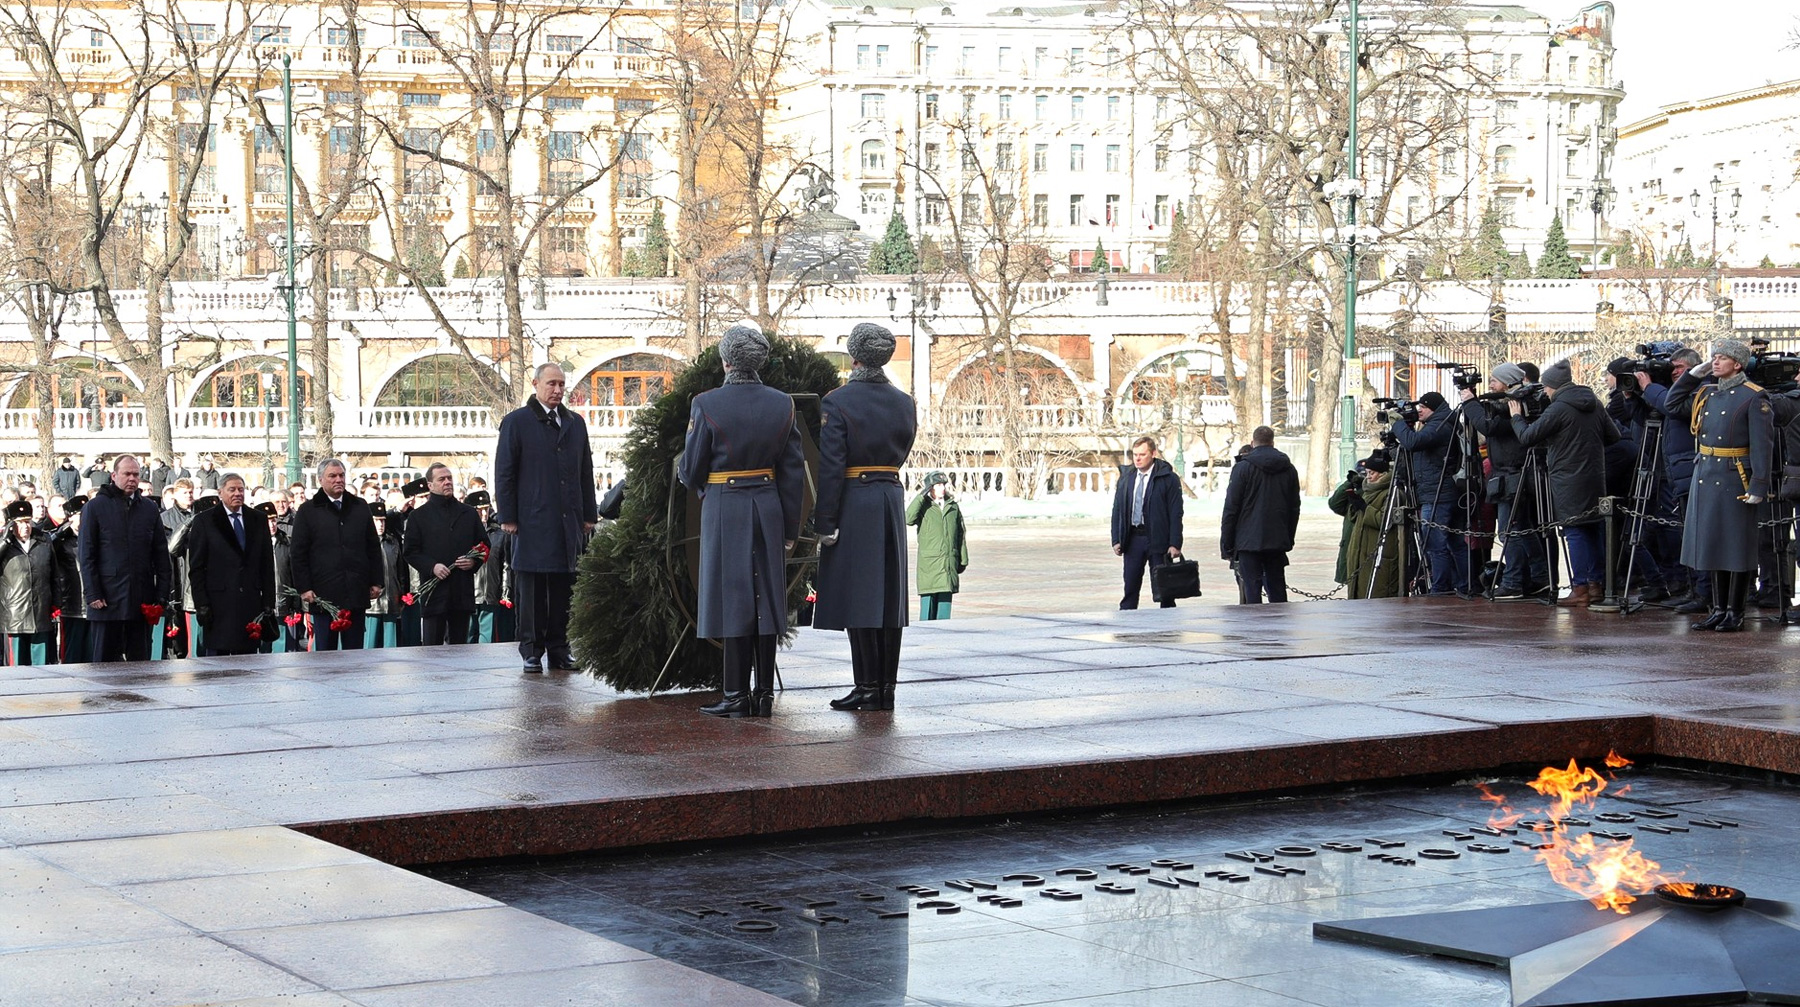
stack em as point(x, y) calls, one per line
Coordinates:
point(215, 830)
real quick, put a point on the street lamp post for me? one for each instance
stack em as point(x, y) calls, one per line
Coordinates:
point(293, 332)
point(1737, 197)
point(1178, 368)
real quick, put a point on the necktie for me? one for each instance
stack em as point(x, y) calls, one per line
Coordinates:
point(237, 525)
point(555, 420)
point(1137, 503)
point(338, 505)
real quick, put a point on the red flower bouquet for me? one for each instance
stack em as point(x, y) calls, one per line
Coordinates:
point(152, 613)
point(254, 630)
point(341, 621)
point(480, 552)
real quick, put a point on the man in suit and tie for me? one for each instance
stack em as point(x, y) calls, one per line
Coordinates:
point(231, 563)
point(1146, 517)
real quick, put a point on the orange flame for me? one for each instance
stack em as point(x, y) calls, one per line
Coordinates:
point(1608, 874)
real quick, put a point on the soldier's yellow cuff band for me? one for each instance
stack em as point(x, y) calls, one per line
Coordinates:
point(723, 477)
point(1708, 449)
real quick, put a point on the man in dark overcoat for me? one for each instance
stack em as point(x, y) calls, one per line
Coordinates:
point(66, 480)
point(744, 458)
point(75, 646)
point(1262, 513)
point(1146, 517)
point(124, 565)
point(1734, 432)
point(544, 496)
point(231, 570)
point(1575, 432)
point(27, 589)
point(336, 559)
point(439, 537)
point(493, 581)
point(865, 436)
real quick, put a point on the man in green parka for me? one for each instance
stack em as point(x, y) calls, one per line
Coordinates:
point(943, 546)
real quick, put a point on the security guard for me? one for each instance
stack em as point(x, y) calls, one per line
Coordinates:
point(865, 438)
point(1733, 433)
point(743, 457)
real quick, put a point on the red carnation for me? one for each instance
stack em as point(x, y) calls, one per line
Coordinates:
point(152, 613)
point(254, 629)
point(56, 613)
point(407, 598)
point(811, 597)
point(173, 631)
point(506, 603)
point(482, 548)
point(294, 620)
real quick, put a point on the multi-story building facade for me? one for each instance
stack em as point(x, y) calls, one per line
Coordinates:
point(1732, 157)
point(915, 96)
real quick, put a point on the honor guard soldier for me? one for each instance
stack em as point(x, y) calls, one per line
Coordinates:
point(865, 437)
point(493, 582)
point(384, 612)
point(27, 589)
point(287, 635)
point(1733, 435)
point(66, 546)
point(175, 522)
point(743, 457)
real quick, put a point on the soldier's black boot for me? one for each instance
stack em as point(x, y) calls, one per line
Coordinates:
point(865, 663)
point(1716, 612)
point(762, 694)
point(736, 701)
point(1736, 604)
point(890, 666)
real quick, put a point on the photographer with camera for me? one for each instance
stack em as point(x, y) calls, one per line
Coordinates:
point(1432, 451)
point(1733, 429)
point(1689, 585)
point(1524, 563)
point(1634, 470)
point(1575, 430)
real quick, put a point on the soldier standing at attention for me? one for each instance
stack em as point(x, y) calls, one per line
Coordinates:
point(1733, 433)
point(743, 457)
point(866, 435)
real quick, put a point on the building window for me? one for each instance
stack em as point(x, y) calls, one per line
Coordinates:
point(635, 167)
point(1504, 156)
point(563, 148)
point(966, 65)
point(631, 46)
point(969, 161)
point(862, 57)
point(266, 149)
point(442, 379)
point(875, 202)
point(930, 58)
point(931, 106)
point(1113, 107)
point(636, 379)
point(1039, 57)
point(1077, 107)
point(421, 99)
point(1040, 157)
point(1003, 58)
point(272, 34)
point(1040, 211)
point(874, 106)
point(189, 31)
point(1076, 55)
point(341, 36)
point(565, 251)
point(634, 105)
point(1003, 157)
point(1077, 211)
point(881, 57)
point(1159, 213)
point(1162, 157)
point(1113, 212)
point(1450, 161)
point(1507, 208)
point(1112, 157)
point(874, 155)
point(412, 38)
point(934, 209)
point(968, 115)
point(1569, 157)
point(1005, 106)
point(340, 97)
point(1004, 205)
point(971, 208)
point(419, 174)
point(562, 43)
point(1506, 111)
point(562, 103)
point(1077, 157)
point(1162, 107)
point(1040, 107)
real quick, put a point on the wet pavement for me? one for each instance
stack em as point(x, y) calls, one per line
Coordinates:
point(219, 830)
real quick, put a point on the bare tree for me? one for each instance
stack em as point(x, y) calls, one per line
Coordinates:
point(42, 266)
point(106, 150)
point(510, 57)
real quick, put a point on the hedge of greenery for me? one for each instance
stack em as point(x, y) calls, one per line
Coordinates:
point(634, 594)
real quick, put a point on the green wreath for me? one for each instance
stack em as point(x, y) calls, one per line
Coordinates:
point(631, 615)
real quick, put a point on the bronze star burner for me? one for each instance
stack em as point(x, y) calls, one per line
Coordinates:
point(1693, 944)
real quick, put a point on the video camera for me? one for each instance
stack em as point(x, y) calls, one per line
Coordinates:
point(1776, 372)
point(1463, 376)
point(1655, 359)
point(1387, 410)
point(1529, 394)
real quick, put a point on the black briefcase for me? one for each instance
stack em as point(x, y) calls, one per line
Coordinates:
point(1175, 580)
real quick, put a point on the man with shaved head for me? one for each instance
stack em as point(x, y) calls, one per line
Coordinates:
point(544, 497)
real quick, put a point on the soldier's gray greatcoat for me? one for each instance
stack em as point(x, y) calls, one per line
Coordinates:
point(1731, 416)
point(862, 578)
point(744, 521)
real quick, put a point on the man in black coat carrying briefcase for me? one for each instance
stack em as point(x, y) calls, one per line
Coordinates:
point(1146, 518)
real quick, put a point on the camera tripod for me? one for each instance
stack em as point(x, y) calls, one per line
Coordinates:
point(1401, 501)
point(1645, 483)
point(1532, 481)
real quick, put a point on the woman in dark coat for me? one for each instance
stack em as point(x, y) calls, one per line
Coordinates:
point(233, 584)
point(864, 438)
point(27, 589)
point(743, 457)
point(440, 534)
point(943, 546)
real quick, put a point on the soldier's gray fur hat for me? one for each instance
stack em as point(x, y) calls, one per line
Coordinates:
point(1736, 349)
point(871, 345)
point(744, 347)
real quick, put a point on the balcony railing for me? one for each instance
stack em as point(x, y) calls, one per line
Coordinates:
point(229, 420)
point(1036, 418)
point(608, 418)
point(429, 419)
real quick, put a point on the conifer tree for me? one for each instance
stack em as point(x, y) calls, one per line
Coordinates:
point(654, 260)
point(1556, 263)
point(894, 253)
point(1101, 264)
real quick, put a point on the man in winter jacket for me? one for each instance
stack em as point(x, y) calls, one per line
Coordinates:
point(1433, 454)
point(1576, 430)
point(1146, 517)
point(124, 566)
point(1262, 513)
point(66, 480)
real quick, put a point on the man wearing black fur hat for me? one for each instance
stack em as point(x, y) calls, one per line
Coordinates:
point(865, 437)
point(743, 458)
point(27, 589)
point(65, 545)
point(1733, 429)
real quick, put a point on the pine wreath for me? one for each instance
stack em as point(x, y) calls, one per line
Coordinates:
point(625, 618)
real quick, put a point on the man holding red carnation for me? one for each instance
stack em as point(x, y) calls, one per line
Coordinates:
point(445, 542)
point(124, 566)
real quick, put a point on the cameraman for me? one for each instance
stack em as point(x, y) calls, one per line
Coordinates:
point(1734, 435)
point(1433, 454)
point(1624, 460)
point(1678, 472)
point(1576, 430)
point(1524, 567)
